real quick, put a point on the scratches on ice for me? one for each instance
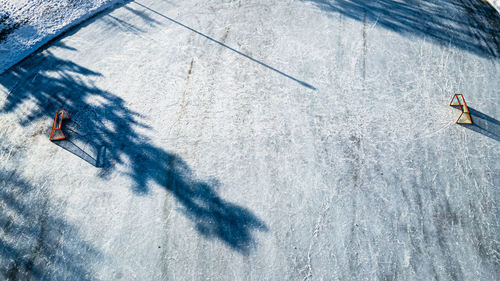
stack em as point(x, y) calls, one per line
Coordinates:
point(307, 85)
point(307, 270)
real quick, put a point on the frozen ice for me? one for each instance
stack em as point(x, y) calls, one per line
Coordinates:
point(256, 140)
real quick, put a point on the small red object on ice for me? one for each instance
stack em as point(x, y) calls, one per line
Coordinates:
point(458, 100)
point(56, 132)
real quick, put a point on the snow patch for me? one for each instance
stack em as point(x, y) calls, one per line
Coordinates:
point(495, 4)
point(25, 25)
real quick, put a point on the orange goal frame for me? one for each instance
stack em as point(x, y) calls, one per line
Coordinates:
point(61, 115)
point(458, 100)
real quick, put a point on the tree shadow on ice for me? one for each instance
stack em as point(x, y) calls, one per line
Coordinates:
point(100, 121)
point(469, 25)
point(36, 243)
point(484, 124)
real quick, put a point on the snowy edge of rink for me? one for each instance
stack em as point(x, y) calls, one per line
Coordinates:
point(26, 25)
point(495, 4)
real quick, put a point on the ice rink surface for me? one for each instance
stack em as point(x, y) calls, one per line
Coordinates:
point(256, 140)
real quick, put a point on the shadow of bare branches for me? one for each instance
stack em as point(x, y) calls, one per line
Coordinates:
point(100, 121)
point(466, 24)
point(35, 242)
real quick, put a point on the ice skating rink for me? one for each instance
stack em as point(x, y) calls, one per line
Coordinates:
point(256, 140)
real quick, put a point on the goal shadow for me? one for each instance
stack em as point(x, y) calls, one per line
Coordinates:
point(484, 124)
point(95, 156)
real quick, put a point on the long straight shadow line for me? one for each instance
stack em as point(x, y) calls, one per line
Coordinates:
point(228, 47)
point(481, 115)
point(483, 131)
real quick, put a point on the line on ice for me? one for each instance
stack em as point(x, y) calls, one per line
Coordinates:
point(228, 47)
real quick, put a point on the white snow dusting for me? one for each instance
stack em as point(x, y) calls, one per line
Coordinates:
point(495, 3)
point(25, 25)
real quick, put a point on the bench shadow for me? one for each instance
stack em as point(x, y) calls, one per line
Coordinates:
point(484, 124)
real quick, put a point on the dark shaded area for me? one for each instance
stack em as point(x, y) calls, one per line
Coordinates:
point(101, 121)
point(36, 243)
point(484, 124)
point(8, 25)
point(469, 25)
point(307, 85)
point(144, 16)
point(94, 158)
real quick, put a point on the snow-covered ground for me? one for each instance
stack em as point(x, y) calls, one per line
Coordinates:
point(256, 140)
point(25, 25)
point(496, 4)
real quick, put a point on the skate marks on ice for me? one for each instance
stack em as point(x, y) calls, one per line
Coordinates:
point(307, 85)
point(469, 25)
point(35, 242)
point(104, 133)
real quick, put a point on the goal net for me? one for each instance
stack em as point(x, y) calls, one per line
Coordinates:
point(56, 132)
point(458, 100)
